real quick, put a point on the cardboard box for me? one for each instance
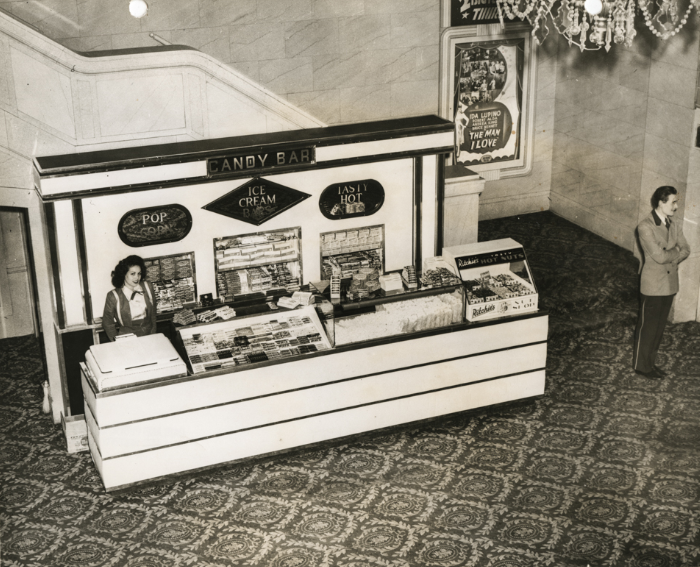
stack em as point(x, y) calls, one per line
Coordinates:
point(486, 261)
point(75, 430)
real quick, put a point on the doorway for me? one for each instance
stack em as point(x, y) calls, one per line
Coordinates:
point(18, 304)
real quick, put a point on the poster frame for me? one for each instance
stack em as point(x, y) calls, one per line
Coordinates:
point(453, 37)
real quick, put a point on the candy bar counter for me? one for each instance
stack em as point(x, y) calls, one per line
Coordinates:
point(302, 290)
point(286, 388)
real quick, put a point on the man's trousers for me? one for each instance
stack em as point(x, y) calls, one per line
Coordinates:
point(653, 314)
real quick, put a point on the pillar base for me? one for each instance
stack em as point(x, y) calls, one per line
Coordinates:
point(461, 217)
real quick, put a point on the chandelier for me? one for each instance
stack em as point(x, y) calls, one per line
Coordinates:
point(593, 24)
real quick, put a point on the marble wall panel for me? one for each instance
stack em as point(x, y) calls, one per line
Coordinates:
point(681, 51)
point(196, 103)
point(141, 104)
point(427, 63)
point(4, 140)
point(15, 172)
point(285, 10)
point(291, 75)
point(215, 13)
point(400, 6)
point(361, 104)
point(414, 98)
point(516, 205)
point(547, 75)
point(250, 69)
point(608, 228)
point(140, 39)
point(391, 65)
point(171, 14)
point(623, 211)
point(600, 65)
point(212, 41)
point(691, 228)
point(670, 122)
point(258, 41)
point(616, 136)
point(584, 156)
point(634, 71)
point(84, 95)
point(28, 140)
point(43, 93)
point(338, 8)
point(57, 18)
point(685, 305)
point(539, 181)
point(543, 144)
point(339, 70)
point(666, 157)
point(622, 103)
point(7, 87)
point(672, 83)
point(693, 197)
point(311, 37)
point(91, 43)
point(411, 29)
point(364, 33)
point(105, 17)
point(230, 114)
point(324, 105)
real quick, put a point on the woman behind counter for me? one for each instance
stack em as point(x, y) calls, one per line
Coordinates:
point(129, 306)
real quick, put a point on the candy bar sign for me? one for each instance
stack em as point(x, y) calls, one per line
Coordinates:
point(226, 165)
point(351, 199)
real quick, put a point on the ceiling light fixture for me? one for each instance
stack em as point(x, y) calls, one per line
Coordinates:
point(138, 8)
point(592, 24)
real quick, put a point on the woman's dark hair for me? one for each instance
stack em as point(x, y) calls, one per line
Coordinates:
point(123, 267)
point(661, 195)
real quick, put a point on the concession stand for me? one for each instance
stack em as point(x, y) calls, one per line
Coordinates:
point(302, 289)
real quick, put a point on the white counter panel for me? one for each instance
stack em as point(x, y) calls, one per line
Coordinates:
point(123, 471)
point(196, 425)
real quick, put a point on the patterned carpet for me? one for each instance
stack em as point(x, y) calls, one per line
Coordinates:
point(604, 469)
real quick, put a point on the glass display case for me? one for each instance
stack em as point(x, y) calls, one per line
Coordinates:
point(401, 303)
point(257, 338)
point(258, 262)
point(497, 279)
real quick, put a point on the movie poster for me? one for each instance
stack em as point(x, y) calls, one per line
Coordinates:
point(488, 101)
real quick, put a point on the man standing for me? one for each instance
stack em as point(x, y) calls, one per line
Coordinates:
point(664, 247)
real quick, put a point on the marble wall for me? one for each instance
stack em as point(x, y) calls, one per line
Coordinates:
point(54, 101)
point(625, 125)
point(340, 60)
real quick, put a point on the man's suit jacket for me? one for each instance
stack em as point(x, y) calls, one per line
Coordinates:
point(663, 248)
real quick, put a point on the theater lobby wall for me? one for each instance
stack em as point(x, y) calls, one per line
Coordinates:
point(609, 127)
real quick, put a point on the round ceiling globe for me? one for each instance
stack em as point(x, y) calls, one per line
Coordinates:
point(593, 7)
point(138, 8)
